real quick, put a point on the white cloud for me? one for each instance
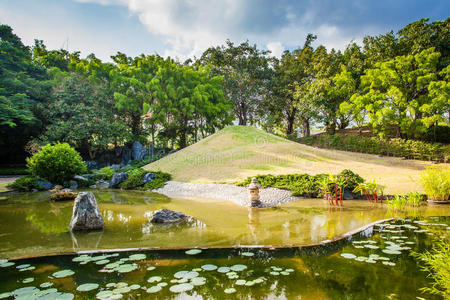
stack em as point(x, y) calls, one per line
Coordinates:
point(276, 48)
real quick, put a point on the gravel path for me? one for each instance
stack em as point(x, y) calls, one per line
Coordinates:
point(224, 192)
point(8, 178)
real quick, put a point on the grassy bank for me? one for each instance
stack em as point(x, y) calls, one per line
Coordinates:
point(236, 152)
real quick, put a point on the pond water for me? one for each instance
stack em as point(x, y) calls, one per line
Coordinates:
point(31, 225)
point(374, 264)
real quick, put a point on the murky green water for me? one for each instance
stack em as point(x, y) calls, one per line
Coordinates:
point(375, 264)
point(32, 225)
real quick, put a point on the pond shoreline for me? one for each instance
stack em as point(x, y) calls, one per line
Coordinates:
point(224, 192)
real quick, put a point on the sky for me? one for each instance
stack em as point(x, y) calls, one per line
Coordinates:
point(185, 28)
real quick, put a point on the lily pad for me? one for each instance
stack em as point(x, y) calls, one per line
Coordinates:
point(104, 294)
point(126, 268)
point(63, 273)
point(249, 254)
point(180, 274)
point(87, 287)
point(209, 267)
point(388, 251)
point(5, 295)
point(240, 282)
point(162, 284)
point(28, 280)
point(154, 289)
point(348, 255)
point(181, 288)
point(23, 266)
point(229, 291)
point(137, 257)
point(46, 285)
point(238, 268)
point(193, 251)
point(102, 262)
point(7, 264)
point(151, 268)
point(198, 281)
point(223, 270)
point(154, 279)
point(134, 287)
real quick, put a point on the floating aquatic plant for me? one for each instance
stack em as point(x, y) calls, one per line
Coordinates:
point(181, 288)
point(209, 267)
point(154, 289)
point(63, 273)
point(137, 257)
point(193, 251)
point(229, 291)
point(87, 287)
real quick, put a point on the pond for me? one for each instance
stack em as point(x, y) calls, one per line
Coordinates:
point(31, 225)
point(373, 264)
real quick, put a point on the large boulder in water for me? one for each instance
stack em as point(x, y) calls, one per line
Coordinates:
point(86, 215)
point(117, 179)
point(169, 216)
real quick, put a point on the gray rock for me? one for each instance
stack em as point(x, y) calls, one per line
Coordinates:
point(91, 164)
point(348, 195)
point(118, 178)
point(115, 167)
point(148, 177)
point(94, 186)
point(46, 185)
point(138, 151)
point(80, 178)
point(169, 216)
point(86, 215)
point(73, 185)
point(102, 184)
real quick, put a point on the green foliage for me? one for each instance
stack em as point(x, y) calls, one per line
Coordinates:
point(134, 179)
point(302, 184)
point(350, 178)
point(158, 182)
point(435, 263)
point(57, 163)
point(400, 202)
point(25, 183)
point(105, 173)
point(411, 149)
point(436, 182)
point(135, 176)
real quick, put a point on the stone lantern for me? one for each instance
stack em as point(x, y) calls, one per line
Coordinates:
point(254, 193)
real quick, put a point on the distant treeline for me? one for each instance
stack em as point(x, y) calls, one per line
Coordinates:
point(398, 84)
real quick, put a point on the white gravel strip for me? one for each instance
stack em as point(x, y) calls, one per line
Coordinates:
point(224, 192)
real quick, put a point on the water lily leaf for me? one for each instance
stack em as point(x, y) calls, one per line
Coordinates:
point(180, 288)
point(126, 268)
point(134, 287)
point(348, 255)
point(238, 268)
point(87, 287)
point(28, 280)
point(162, 284)
point(248, 254)
point(154, 289)
point(240, 282)
point(275, 273)
point(154, 279)
point(198, 281)
point(5, 295)
point(63, 273)
point(104, 294)
point(180, 274)
point(121, 290)
point(193, 251)
point(230, 291)
point(7, 264)
point(223, 270)
point(388, 251)
point(151, 268)
point(137, 257)
point(209, 267)
point(22, 266)
point(102, 262)
point(46, 285)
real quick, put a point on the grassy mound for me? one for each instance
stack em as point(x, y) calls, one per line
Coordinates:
point(237, 152)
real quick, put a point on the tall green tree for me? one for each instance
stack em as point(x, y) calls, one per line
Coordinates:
point(246, 75)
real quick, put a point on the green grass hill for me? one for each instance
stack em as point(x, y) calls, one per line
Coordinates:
point(237, 152)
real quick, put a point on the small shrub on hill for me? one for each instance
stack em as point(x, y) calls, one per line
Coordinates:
point(159, 181)
point(105, 173)
point(135, 176)
point(57, 163)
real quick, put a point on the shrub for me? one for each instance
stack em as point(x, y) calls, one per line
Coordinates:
point(160, 180)
point(57, 163)
point(436, 182)
point(411, 149)
point(400, 202)
point(299, 184)
point(436, 264)
point(105, 173)
point(134, 179)
point(350, 178)
point(25, 184)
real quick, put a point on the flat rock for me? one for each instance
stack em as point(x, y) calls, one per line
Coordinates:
point(169, 216)
point(117, 179)
point(47, 185)
point(102, 184)
point(86, 215)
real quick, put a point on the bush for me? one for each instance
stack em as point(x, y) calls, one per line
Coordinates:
point(134, 180)
point(25, 184)
point(105, 173)
point(436, 182)
point(304, 185)
point(400, 202)
point(410, 149)
point(57, 163)
point(351, 179)
point(159, 181)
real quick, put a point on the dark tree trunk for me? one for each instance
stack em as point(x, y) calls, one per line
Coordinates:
point(305, 127)
point(290, 118)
